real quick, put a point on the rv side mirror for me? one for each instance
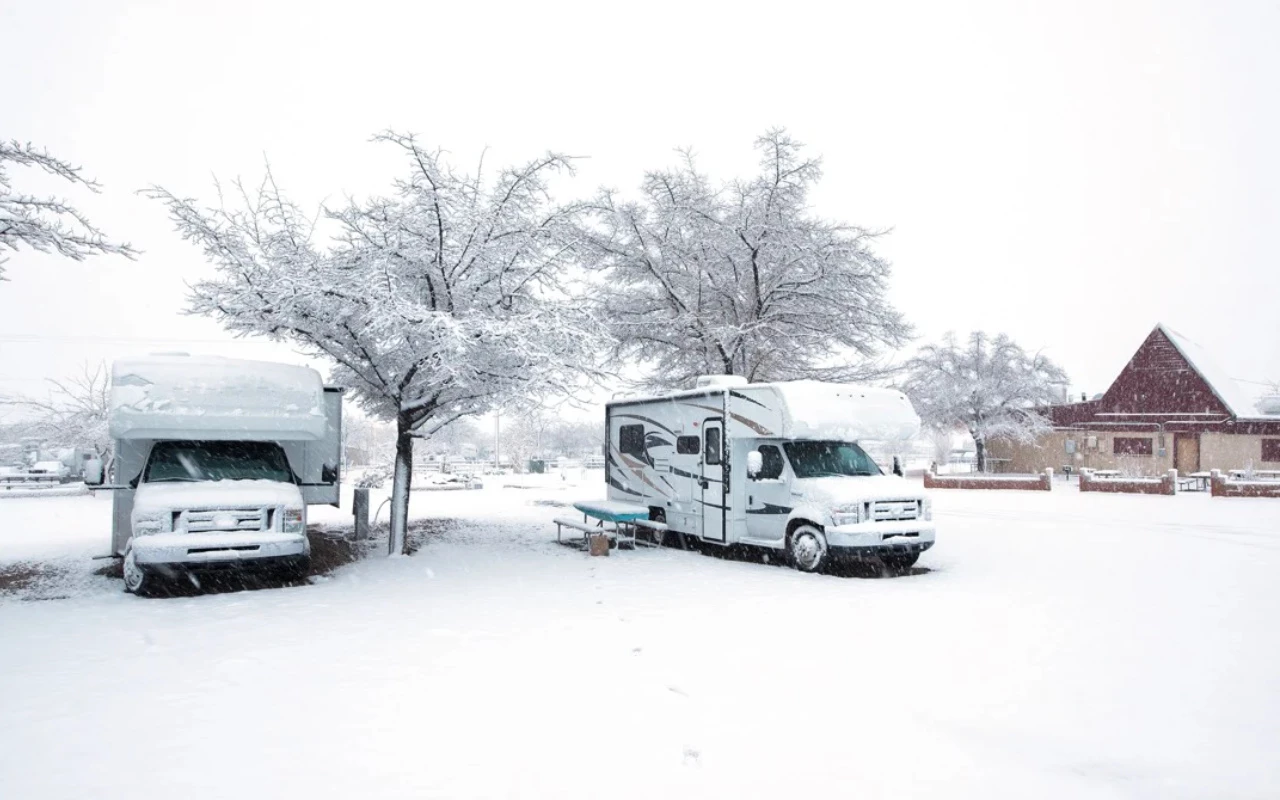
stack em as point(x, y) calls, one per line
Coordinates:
point(93, 472)
point(897, 466)
point(329, 474)
point(755, 463)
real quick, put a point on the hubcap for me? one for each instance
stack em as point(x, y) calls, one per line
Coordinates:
point(806, 549)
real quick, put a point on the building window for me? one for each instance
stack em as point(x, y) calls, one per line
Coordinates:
point(770, 463)
point(1271, 449)
point(631, 440)
point(688, 445)
point(1131, 446)
point(713, 446)
point(1070, 445)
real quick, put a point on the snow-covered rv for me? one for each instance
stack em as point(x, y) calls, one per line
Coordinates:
point(774, 465)
point(216, 461)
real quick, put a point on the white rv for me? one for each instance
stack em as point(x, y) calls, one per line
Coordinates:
point(216, 461)
point(774, 465)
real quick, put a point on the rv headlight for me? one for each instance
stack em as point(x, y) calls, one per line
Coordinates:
point(846, 515)
point(293, 521)
point(144, 524)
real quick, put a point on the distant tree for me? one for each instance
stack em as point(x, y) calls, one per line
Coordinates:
point(742, 277)
point(434, 304)
point(987, 385)
point(74, 413)
point(47, 224)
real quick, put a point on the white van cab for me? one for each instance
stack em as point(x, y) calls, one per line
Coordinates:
point(216, 461)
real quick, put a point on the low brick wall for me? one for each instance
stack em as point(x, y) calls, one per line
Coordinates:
point(1221, 487)
point(1036, 483)
point(1167, 484)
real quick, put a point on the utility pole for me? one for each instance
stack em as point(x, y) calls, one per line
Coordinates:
point(497, 439)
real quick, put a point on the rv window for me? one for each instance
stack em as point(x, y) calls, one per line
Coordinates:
point(713, 446)
point(631, 440)
point(688, 445)
point(771, 468)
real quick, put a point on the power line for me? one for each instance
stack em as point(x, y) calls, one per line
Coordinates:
point(41, 337)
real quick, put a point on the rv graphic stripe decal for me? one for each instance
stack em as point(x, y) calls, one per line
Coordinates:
point(711, 505)
point(615, 484)
point(742, 396)
point(637, 467)
point(684, 474)
point(750, 423)
point(770, 508)
point(649, 420)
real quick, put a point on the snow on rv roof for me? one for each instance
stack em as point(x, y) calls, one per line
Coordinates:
point(845, 412)
point(209, 397)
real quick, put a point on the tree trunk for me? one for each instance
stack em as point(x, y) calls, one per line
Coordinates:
point(981, 454)
point(398, 540)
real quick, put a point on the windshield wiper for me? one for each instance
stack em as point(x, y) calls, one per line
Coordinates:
point(174, 479)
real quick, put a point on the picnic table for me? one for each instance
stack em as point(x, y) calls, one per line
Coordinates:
point(1200, 481)
point(616, 519)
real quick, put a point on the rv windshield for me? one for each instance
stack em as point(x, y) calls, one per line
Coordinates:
point(828, 459)
point(217, 461)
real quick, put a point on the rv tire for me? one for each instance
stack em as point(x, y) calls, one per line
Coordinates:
point(136, 578)
point(807, 548)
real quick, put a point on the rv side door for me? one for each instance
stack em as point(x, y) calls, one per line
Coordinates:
point(715, 494)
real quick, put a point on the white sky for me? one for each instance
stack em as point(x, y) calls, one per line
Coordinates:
point(1070, 174)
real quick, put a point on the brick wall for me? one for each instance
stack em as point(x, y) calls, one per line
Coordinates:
point(1042, 482)
point(1221, 487)
point(1167, 484)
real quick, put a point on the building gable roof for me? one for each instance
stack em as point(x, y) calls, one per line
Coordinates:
point(1161, 381)
point(1237, 402)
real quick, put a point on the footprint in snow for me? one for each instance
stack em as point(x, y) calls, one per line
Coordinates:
point(691, 757)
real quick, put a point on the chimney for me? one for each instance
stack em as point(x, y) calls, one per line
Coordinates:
point(1084, 397)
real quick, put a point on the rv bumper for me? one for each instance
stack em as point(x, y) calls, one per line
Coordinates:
point(194, 551)
point(878, 539)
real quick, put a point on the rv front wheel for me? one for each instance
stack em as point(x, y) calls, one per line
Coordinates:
point(136, 579)
point(808, 548)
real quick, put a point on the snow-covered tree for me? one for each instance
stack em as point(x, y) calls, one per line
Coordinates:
point(433, 304)
point(47, 224)
point(741, 277)
point(987, 385)
point(74, 413)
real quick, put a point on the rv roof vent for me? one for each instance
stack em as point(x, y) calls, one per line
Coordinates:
point(720, 380)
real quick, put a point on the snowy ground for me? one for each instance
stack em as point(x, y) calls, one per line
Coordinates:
point(1058, 645)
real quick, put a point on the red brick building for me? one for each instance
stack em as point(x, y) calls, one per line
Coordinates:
point(1170, 407)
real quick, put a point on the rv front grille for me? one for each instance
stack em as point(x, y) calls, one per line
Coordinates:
point(895, 510)
point(205, 520)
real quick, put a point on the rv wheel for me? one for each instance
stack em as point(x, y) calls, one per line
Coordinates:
point(136, 579)
point(807, 548)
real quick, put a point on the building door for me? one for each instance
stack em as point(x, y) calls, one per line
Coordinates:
point(1186, 452)
point(715, 490)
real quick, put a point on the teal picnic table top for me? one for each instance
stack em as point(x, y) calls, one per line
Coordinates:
point(612, 510)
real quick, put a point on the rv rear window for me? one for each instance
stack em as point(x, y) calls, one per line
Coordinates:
point(688, 445)
point(631, 440)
